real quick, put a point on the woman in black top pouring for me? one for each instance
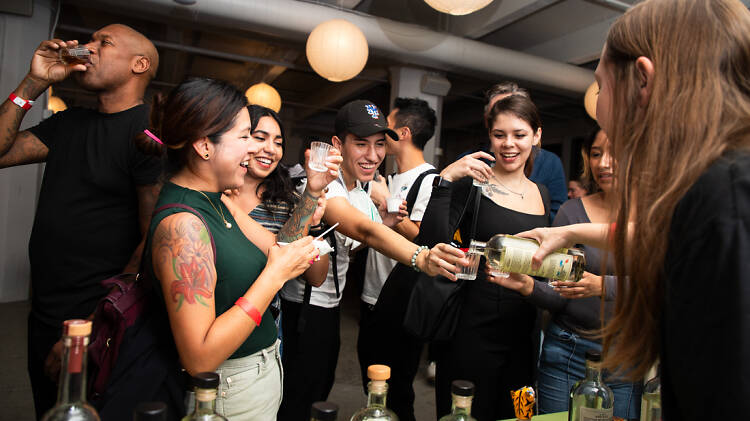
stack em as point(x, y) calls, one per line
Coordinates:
point(493, 345)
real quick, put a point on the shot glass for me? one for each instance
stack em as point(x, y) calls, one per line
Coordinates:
point(318, 154)
point(393, 204)
point(474, 254)
point(483, 184)
point(75, 55)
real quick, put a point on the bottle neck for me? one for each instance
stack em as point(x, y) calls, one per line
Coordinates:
point(73, 371)
point(377, 392)
point(593, 372)
point(205, 401)
point(461, 405)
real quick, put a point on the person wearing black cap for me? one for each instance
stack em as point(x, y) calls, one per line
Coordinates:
point(311, 343)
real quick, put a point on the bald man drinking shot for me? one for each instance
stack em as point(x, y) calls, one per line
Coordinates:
point(98, 190)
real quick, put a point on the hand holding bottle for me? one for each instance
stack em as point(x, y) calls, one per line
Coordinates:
point(590, 285)
point(469, 166)
point(523, 284)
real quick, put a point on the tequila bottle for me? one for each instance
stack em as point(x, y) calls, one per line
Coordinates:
point(462, 392)
point(150, 411)
point(592, 399)
point(324, 411)
point(71, 393)
point(651, 399)
point(508, 253)
point(377, 390)
point(205, 386)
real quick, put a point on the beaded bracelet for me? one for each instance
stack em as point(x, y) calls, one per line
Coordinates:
point(414, 257)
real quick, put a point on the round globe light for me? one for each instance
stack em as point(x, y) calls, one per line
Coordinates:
point(337, 50)
point(457, 7)
point(55, 104)
point(589, 100)
point(265, 95)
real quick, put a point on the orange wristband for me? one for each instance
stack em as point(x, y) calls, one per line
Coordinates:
point(249, 309)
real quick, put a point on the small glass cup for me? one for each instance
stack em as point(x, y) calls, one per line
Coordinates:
point(474, 254)
point(75, 55)
point(393, 204)
point(318, 154)
point(483, 184)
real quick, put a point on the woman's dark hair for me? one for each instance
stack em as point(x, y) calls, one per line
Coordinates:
point(587, 179)
point(277, 187)
point(522, 107)
point(196, 108)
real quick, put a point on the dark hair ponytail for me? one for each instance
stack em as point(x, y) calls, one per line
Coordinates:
point(194, 109)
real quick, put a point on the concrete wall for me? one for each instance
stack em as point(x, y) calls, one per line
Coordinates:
point(19, 186)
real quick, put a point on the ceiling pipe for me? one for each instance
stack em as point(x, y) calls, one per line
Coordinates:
point(614, 4)
point(403, 42)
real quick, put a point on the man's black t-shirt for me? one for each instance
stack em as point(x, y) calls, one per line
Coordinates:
point(86, 225)
point(705, 329)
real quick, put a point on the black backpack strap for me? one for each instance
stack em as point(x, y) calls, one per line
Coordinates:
point(302, 321)
point(411, 197)
point(477, 200)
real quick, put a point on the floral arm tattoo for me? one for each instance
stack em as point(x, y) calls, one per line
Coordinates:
point(182, 245)
point(298, 223)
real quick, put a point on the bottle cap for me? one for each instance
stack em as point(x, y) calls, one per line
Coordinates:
point(593, 355)
point(207, 380)
point(324, 411)
point(76, 327)
point(150, 411)
point(379, 372)
point(462, 388)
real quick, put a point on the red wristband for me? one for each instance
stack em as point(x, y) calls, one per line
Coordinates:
point(23, 103)
point(249, 309)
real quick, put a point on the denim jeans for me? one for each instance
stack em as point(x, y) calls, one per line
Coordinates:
point(563, 362)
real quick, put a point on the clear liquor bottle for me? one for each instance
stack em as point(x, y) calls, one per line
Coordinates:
point(377, 391)
point(651, 399)
point(150, 411)
point(205, 386)
point(324, 411)
point(508, 253)
point(71, 393)
point(592, 399)
point(462, 392)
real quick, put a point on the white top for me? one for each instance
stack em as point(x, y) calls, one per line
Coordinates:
point(379, 266)
point(325, 295)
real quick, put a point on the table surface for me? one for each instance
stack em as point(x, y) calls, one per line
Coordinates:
point(559, 416)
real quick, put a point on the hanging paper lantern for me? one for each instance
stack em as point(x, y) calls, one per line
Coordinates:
point(589, 100)
point(337, 50)
point(55, 104)
point(265, 95)
point(457, 7)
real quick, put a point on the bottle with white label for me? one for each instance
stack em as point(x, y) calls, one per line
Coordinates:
point(510, 254)
point(591, 399)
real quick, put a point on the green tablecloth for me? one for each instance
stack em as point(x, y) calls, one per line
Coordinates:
point(560, 416)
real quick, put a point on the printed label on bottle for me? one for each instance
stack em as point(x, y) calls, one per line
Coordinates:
point(591, 414)
point(555, 265)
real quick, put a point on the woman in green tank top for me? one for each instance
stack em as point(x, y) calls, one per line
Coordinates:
point(217, 284)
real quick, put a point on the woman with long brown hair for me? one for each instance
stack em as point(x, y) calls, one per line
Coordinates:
point(674, 98)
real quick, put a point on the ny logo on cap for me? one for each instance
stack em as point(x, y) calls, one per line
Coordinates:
point(372, 110)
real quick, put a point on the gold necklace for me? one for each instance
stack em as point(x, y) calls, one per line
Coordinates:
point(218, 211)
